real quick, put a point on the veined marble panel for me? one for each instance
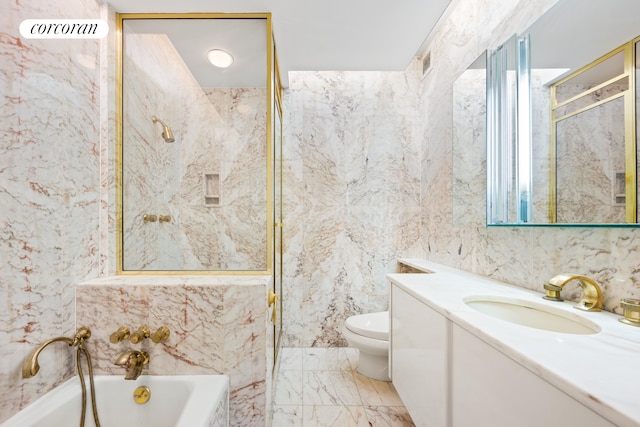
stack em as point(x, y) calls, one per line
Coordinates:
point(218, 325)
point(352, 196)
point(108, 165)
point(49, 191)
point(469, 147)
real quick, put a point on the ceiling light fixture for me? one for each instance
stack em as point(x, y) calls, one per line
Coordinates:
point(220, 58)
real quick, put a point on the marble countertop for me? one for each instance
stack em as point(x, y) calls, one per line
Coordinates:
point(602, 370)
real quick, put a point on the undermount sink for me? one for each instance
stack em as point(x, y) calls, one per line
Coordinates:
point(531, 314)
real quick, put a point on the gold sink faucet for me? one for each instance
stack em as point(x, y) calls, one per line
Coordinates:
point(133, 361)
point(591, 292)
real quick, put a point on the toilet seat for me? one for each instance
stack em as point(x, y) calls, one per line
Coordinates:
point(371, 325)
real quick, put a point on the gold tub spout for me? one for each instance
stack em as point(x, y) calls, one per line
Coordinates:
point(31, 367)
point(133, 361)
point(591, 292)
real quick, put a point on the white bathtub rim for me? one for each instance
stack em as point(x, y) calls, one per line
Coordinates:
point(50, 401)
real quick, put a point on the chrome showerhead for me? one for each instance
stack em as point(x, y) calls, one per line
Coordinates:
point(167, 133)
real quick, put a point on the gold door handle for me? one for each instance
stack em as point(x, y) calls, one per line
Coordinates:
point(271, 301)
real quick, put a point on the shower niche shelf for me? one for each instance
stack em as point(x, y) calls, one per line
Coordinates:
point(212, 189)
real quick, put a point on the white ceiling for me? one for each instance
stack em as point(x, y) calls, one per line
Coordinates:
point(193, 38)
point(573, 33)
point(327, 35)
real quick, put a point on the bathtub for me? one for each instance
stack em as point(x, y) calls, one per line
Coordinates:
point(175, 401)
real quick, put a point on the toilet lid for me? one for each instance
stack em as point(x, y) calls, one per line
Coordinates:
point(372, 325)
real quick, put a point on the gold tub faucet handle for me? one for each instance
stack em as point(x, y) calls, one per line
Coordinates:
point(120, 335)
point(139, 335)
point(162, 334)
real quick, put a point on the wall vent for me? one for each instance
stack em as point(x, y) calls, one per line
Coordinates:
point(426, 63)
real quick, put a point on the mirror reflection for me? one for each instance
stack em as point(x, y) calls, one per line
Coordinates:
point(194, 158)
point(583, 156)
point(588, 143)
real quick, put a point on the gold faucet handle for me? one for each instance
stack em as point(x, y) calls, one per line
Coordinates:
point(149, 218)
point(120, 335)
point(160, 335)
point(552, 292)
point(631, 311)
point(142, 333)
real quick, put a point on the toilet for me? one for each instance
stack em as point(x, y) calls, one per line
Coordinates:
point(369, 333)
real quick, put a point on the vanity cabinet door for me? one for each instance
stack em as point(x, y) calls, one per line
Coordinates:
point(490, 389)
point(418, 358)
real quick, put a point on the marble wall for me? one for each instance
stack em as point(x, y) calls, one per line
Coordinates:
point(527, 256)
point(49, 191)
point(218, 133)
point(218, 325)
point(352, 202)
point(352, 175)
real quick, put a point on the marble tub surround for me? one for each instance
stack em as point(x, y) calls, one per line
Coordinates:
point(597, 370)
point(319, 387)
point(218, 325)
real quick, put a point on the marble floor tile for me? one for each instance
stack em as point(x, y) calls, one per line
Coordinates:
point(291, 359)
point(334, 416)
point(320, 387)
point(288, 389)
point(388, 416)
point(284, 416)
point(330, 359)
point(376, 393)
point(330, 388)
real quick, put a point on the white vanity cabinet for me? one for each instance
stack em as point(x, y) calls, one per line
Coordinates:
point(490, 389)
point(418, 358)
point(448, 377)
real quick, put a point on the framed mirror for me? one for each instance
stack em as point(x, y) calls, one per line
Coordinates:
point(582, 118)
point(195, 143)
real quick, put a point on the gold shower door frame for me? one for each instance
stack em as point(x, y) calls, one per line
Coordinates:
point(271, 68)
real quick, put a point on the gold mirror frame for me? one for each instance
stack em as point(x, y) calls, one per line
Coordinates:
point(270, 95)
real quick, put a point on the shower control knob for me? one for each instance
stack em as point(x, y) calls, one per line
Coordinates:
point(142, 333)
point(121, 334)
point(149, 218)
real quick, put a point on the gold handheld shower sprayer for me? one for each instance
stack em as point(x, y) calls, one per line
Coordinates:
point(167, 133)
